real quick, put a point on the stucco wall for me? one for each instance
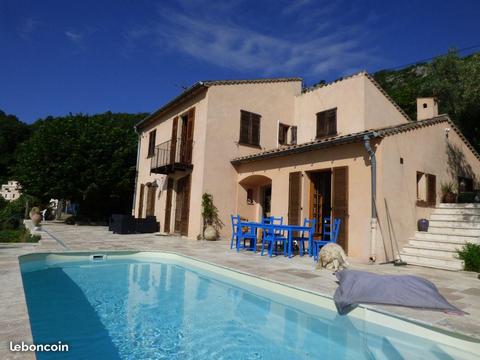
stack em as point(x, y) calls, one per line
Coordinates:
point(379, 111)
point(347, 96)
point(426, 150)
point(273, 101)
point(353, 156)
point(163, 125)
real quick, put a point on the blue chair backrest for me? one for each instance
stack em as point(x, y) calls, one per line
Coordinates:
point(235, 221)
point(277, 220)
point(335, 230)
point(327, 228)
point(267, 220)
point(311, 224)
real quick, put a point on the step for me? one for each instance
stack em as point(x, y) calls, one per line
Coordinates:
point(455, 224)
point(455, 217)
point(429, 251)
point(459, 206)
point(442, 245)
point(433, 262)
point(455, 211)
point(453, 231)
point(446, 235)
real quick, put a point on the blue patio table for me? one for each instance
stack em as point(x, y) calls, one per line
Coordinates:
point(253, 226)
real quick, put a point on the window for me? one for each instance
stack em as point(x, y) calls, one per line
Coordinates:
point(426, 189)
point(151, 142)
point(249, 128)
point(327, 123)
point(250, 196)
point(282, 134)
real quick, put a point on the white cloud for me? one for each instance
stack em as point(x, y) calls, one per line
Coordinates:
point(221, 39)
point(73, 36)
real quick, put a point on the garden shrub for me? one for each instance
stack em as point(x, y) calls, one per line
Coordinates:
point(20, 235)
point(470, 254)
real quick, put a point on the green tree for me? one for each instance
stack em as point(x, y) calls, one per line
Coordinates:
point(12, 133)
point(453, 80)
point(90, 160)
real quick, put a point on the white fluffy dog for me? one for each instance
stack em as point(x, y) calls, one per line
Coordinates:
point(332, 257)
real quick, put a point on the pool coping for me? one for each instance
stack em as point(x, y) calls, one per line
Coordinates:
point(364, 309)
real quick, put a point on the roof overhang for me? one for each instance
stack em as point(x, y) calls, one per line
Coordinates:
point(188, 94)
point(305, 147)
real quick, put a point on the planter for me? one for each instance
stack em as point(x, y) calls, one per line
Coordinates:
point(210, 233)
point(422, 225)
point(450, 198)
point(36, 219)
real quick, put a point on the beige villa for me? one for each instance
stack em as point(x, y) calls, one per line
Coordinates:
point(270, 146)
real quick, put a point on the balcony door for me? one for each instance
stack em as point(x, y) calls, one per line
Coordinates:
point(182, 209)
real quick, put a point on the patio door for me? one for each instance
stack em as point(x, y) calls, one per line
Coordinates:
point(182, 209)
point(320, 198)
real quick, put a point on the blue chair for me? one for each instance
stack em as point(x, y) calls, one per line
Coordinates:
point(235, 221)
point(251, 235)
point(273, 237)
point(306, 236)
point(329, 231)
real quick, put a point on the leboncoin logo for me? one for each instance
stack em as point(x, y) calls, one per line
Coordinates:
point(23, 347)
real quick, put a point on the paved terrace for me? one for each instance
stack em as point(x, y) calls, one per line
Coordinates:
point(460, 288)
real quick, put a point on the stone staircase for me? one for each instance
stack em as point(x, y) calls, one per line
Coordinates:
point(451, 226)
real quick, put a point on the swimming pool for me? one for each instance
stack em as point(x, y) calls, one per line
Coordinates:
point(147, 305)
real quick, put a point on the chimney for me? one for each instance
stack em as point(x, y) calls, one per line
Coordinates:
point(427, 108)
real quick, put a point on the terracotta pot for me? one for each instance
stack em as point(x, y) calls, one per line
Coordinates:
point(36, 219)
point(210, 233)
point(449, 198)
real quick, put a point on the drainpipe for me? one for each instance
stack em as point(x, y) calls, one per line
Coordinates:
point(136, 172)
point(373, 221)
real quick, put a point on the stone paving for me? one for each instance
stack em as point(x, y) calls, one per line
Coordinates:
point(460, 288)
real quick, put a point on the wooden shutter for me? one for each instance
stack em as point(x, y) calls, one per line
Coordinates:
point(331, 120)
point(244, 127)
point(140, 201)
point(151, 192)
point(173, 144)
point(281, 135)
point(190, 128)
point(294, 135)
point(340, 203)
point(294, 198)
point(255, 139)
point(151, 142)
point(168, 206)
point(182, 210)
point(431, 189)
point(321, 124)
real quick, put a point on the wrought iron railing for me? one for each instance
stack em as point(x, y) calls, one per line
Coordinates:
point(171, 152)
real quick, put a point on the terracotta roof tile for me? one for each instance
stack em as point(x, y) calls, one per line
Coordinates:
point(353, 137)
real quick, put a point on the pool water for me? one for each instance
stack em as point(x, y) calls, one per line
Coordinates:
point(130, 309)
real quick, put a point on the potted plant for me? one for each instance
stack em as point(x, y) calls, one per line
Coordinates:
point(35, 216)
point(448, 192)
point(211, 221)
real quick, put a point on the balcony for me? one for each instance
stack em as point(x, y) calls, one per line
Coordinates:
point(172, 155)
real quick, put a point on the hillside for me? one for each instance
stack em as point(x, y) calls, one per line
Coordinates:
point(454, 80)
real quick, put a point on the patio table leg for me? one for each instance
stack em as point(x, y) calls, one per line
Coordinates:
point(290, 244)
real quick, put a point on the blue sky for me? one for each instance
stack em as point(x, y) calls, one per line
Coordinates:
point(133, 55)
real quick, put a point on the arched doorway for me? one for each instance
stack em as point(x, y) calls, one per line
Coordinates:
point(254, 197)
